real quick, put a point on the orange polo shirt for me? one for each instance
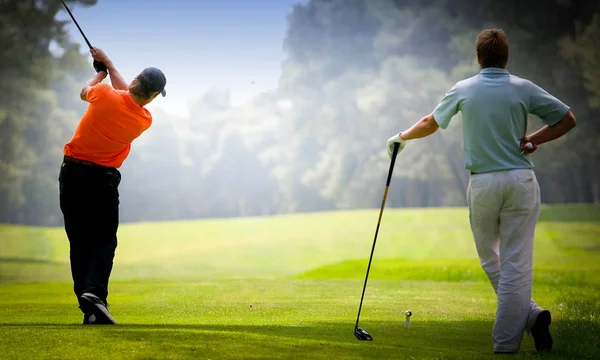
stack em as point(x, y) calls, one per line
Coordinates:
point(112, 121)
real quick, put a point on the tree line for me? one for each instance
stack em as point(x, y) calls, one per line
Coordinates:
point(356, 72)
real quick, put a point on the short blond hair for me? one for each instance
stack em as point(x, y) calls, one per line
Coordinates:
point(139, 88)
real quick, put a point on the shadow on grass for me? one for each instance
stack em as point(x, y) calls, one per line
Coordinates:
point(31, 270)
point(27, 260)
point(567, 212)
point(327, 340)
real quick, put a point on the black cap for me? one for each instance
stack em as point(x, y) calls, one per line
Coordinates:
point(155, 80)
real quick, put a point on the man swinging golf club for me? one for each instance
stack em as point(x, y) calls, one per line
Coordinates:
point(89, 179)
point(503, 193)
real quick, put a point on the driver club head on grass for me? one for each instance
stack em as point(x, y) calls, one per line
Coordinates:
point(361, 334)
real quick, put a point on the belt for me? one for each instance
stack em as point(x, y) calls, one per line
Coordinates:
point(82, 162)
point(487, 172)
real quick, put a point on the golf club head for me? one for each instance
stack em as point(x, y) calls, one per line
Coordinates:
point(361, 334)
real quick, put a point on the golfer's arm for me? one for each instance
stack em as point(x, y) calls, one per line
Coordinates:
point(549, 133)
point(91, 82)
point(116, 79)
point(424, 127)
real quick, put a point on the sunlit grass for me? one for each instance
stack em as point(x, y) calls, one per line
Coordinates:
point(289, 286)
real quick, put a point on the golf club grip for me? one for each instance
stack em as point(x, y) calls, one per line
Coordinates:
point(394, 154)
point(76, 24)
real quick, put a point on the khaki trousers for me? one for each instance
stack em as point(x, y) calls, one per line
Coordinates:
point(504, 207)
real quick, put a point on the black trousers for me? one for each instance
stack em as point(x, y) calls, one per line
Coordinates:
point(89, 201)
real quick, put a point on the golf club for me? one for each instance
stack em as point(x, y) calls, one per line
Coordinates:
point(75, 21)
point(98, 66)
point(362, 334)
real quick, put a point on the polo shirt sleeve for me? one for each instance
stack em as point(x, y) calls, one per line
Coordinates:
point(95, 92)
point(545, 106)
point(447, 108)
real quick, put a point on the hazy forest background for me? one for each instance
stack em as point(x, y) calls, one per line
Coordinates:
point(356, 72)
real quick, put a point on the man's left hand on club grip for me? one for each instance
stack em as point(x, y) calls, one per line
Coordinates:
point(99, 66)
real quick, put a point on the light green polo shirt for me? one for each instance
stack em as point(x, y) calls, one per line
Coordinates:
point(494, 106)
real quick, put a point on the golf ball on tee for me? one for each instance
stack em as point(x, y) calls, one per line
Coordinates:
point(529, 146)
point(408, 314)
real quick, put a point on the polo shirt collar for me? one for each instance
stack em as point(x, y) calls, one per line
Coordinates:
point(494, 70)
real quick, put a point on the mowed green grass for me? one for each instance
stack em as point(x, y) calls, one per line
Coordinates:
point(289, 286)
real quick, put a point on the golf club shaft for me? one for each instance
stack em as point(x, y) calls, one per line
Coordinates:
point(75, 21)
point(387, 186)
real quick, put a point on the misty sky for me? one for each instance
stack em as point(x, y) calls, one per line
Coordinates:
point(199, 44)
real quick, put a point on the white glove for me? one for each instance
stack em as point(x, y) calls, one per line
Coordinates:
point(392, 141)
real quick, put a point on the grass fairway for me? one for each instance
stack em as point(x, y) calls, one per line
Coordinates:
point(289, 286)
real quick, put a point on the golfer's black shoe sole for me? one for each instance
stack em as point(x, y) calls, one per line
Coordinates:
point(98, 313)
point(541, 331)
point(89, 319)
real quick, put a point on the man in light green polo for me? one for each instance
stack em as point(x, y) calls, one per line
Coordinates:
point(503, 193)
